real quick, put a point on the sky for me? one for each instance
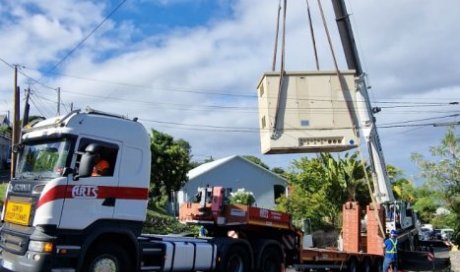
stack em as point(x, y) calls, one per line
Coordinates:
point(190, 68)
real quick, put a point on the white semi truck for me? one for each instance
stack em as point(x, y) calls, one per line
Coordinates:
point(58, 217)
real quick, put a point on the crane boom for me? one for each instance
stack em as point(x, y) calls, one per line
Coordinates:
point(382, 186)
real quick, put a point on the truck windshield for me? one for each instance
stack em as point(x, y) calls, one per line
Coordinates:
point(43, 159)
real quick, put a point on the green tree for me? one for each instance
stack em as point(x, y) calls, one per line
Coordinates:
point(427, 201)
point(5, 130)
point(170, 165)
point(403, 188)
point(443, 174)
point(279, 171)
point(256, 160)
point(194, 164)
point(320, 186)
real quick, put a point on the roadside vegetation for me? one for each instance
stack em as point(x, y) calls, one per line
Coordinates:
point(3, 188)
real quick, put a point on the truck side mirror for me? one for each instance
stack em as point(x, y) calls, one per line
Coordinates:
point(87, 162)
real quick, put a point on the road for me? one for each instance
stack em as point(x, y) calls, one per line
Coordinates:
point(455, 259)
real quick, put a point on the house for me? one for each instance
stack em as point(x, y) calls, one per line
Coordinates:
point(5, 141)
point(235, 172)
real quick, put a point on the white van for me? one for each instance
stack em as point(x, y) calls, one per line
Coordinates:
point(446, 234)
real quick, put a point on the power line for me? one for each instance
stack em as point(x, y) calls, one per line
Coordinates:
point(241, 109)
point(424, 119)
point(7, 64)
point(226, 93)
point(199, 127)
point(85, 38)
point(35, 105)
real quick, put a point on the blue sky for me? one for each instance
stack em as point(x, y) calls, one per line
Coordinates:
point(190, 67)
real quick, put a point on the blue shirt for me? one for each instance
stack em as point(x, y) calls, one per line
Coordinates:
point(391, 249)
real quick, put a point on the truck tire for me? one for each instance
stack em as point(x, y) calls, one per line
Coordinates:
point(378, 266)
point(236, 259)
point(367, 265)
point(352, 265)
point(107, 257)
point(271, 260)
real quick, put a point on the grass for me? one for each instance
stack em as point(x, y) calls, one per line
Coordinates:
point(3, 187)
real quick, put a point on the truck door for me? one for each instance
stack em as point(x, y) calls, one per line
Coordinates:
point(92, 198)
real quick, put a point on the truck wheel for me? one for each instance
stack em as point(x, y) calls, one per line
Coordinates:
point(235, 260)
point(352, 265)
point(367, 265)
point(378, 266)
point(270, 260)
point(107, 258)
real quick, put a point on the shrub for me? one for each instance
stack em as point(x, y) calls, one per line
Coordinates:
point(242, 197)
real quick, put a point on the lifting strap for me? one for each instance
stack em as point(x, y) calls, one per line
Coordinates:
point(312, 32)
point(275, 131)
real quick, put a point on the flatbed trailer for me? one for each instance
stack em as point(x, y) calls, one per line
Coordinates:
point(257, 227)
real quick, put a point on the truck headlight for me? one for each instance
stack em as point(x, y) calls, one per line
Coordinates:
point(39, 246)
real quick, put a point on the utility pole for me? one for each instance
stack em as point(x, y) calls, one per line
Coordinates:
point(58, 101)
point(25, 117)
point(16, 126)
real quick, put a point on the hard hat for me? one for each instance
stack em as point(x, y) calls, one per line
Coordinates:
point(394, 232)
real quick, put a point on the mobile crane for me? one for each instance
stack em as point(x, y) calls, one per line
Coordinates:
point(399, 215)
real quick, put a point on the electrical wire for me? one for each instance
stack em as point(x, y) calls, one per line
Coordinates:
point(409, 101)
point(80, 44)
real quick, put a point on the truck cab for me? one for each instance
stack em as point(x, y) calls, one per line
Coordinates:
point(58, 205)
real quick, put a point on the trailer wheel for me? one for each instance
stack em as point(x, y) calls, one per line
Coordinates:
point(352, 265)
point(235, 260)
point(378, 266)
point(367, 265)
point(107, 257)
point(271, 260)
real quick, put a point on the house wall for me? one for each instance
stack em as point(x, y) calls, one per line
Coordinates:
point(237, 173)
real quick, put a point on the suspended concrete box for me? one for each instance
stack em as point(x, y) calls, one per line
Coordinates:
point(312, 113)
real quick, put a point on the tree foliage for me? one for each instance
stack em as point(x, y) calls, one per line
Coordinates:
point(402, 187)
point(256, 160)
point(442, 174)
point(320, 186)
point(5, 130)
point(427, 202)
point(242, 197)
point(170, 164)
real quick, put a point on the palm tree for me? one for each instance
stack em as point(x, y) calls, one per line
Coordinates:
point(347, 176)
point(353, 173)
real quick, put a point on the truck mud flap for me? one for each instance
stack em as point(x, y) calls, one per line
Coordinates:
point(422, 261)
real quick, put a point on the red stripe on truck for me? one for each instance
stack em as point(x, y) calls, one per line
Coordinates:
point(92, 192)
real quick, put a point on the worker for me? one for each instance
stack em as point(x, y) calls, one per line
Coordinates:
point(101, 168)
point(203, 231)
point(391, 252)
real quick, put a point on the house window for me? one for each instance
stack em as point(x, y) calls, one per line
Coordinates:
point(264, 123)
point(279, 191)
